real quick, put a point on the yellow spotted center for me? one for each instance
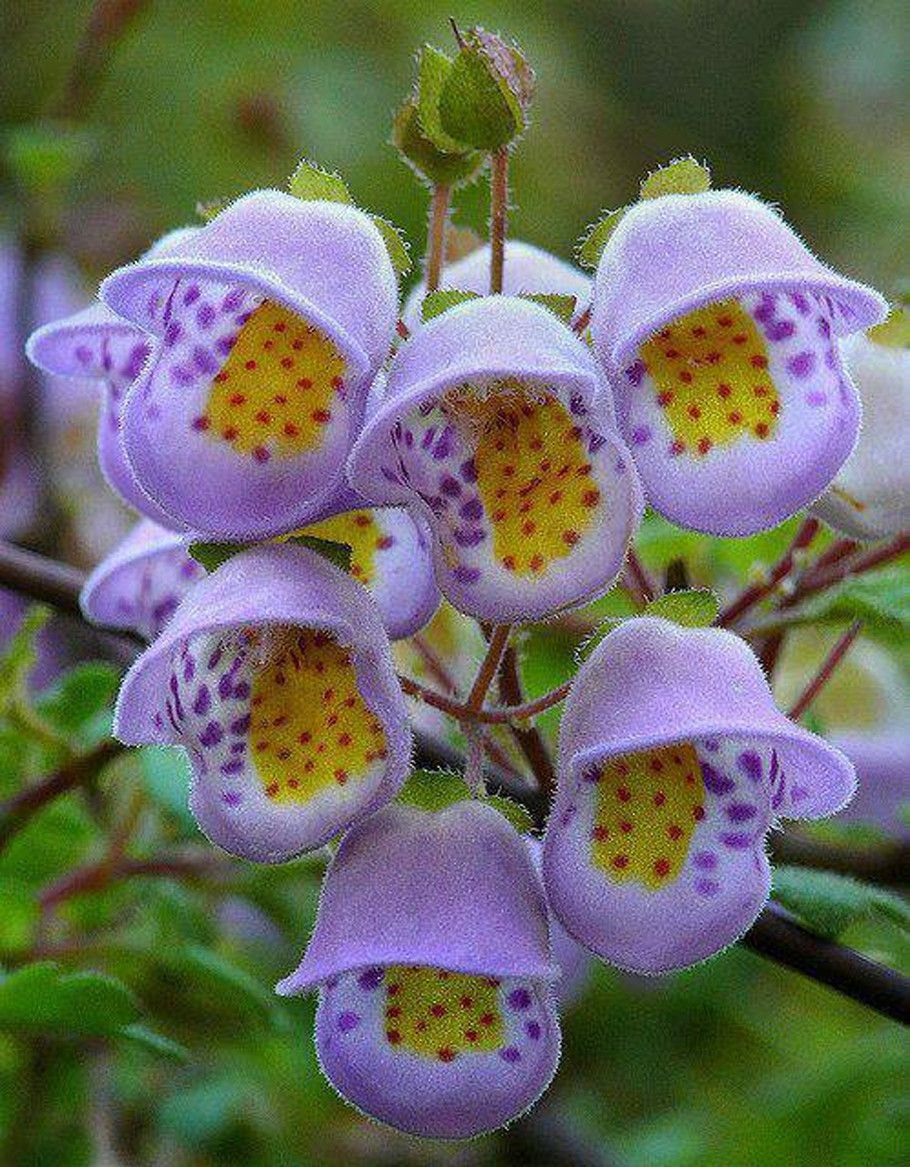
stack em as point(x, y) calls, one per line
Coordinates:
point(534, 475)
point(275, 392)
point(362, 533)
point(441, 1014)
point(648, 806)
point(310, 728)
point(710, 369)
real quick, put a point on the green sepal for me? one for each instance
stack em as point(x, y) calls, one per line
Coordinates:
point(560, 305)
point(310, 181)
point(591, 247)
point(433, 69)
point(829, 903)
point(485, 95)
point(396, 244)
point(438, 167)
point(213, 555)
point(894, 330)
point(693, 608)
point(435, 303)
point(41, 998)
point(339, 554)
point(434, 790)
point(681, 176)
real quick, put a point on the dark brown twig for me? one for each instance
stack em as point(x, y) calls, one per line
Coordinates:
point(825, 671)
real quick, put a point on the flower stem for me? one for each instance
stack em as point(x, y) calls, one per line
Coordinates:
point(436, 235)
point(757, 592)
point(499, 201)
point(497, 646)
point(825, 670)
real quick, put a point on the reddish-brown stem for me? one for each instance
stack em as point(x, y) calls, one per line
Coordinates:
point(488, 667)
point(402, 329)
point(757, 592)
point(638, 580)
point(436, 235)
point(96, 876)
point(839, 550)
point(825, 670)
point(582, 321)
point(499, 203)
point(528, 738)
point(816, 581)
point(502, 716)
point(19, 808)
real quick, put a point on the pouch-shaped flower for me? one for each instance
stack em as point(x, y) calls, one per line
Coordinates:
point(139, 585)
point(431, 959)
point(882, 760)
point(495, 426)
point(674, 763)
point(719, 328)
point(526, 269)
point(272, 320)
point(390, 556)
point(870, 497)
point(275, 675)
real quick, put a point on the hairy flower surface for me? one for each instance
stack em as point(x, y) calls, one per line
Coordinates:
point(95, 344)
point(390, 556)
point(674, 763)
point(495, 426)
point(526, 269)
point(276, 676)
point(139, 585)
point(870, 497)
point(431, 959)
point(882, 761)
point(18, 474)
point(718, 329)
point(272, 321)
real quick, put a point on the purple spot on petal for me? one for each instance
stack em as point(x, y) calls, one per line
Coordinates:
point(468, 470)
point(519, 999)
point(640, 435)
point(737, 841)
point(816, 398)
point(466, 575)
point(750, 764)
point(450, 486)
point(532, 1028)
point(472, 510)
point(715, 781)
point(780, 330)
point(204, 361)
point(191, 295)
point(707, 887)
point(203, 701)
point(705, 860)
point(241, 725)
point(510, 1054)
point(347, 1021)
point(802, 364)
point(371, 979)
point(232, 797)
point(635, 373)
point(172, 333)
point(234, 766)
point(741, 812)
point(469, 538)
point(211, 735)
point(232, 300)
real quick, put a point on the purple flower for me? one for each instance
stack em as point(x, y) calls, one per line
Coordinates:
point(572, 960)
point(495, 427)
point(717, 326)
point(882, 761)
point(276, 676)
point(390, 556)
point(870, 497)
point(18, 474)
point(431, 958)
point(272, 321)
point(527, 269)
point(674, 763)
point(140, 584)
point(94, 344)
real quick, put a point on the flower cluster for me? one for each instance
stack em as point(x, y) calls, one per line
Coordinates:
point(266, 396)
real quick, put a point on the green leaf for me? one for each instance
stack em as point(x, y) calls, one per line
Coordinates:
point(434, 790)
point(440, 168)
point(39, 997)
point(435, 303)
point(74, 702)
point(433, 69)
point(592, 245)
point(212, 555)
point(476, 106)
point(681, 176)
point(396, 244)
point(560, 305)
point(154, 1042)
point(338, 554)
point(829, 903)
point(695, 608)
point(881, 599)
point(227, 980)
point(20, 655)
point(166, 777)
point(18, 914)
point(310, 181)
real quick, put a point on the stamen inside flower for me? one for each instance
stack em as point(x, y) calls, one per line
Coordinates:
point(282, 702)
point(710, 373)
point(647, 808)
point(276, 391)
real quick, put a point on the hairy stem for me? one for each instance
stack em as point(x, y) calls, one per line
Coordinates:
point(499, 202)
point(436, 236)
point(757, 592)
point(825, 670)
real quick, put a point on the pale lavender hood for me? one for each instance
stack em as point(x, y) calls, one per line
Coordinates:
point(671, 255)
point(454, 889)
